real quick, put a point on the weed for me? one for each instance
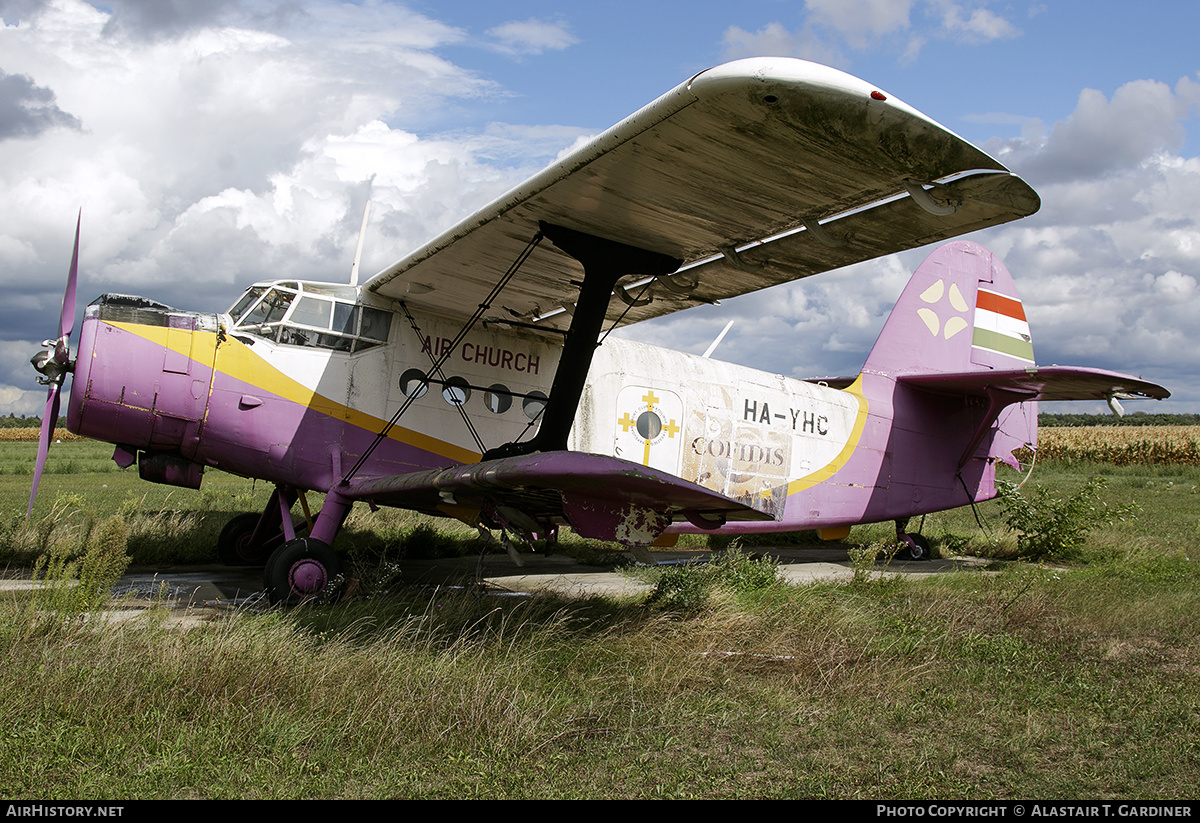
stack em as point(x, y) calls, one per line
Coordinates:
point(687, 588)
point(1051, 527)
point(72, 585)
point(865, 556)
point(682, 588)
point(63, 530)
point(104, 562)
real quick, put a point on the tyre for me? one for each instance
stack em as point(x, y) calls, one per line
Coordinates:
point(916, 547)
point(234, 546)
point(301, 571)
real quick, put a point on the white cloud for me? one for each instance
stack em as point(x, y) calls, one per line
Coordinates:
point(774, 40)
point(27, 110)
point(830, 26)
point(223, 148)
point(168, 126)
point(533, 36)
point(1102, 136)
point(977, 25)
point(860, 22)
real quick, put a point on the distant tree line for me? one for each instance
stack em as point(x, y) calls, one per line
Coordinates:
point(13, 421)
point(1137, 418)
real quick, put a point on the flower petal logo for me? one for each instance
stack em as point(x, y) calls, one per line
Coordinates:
point(958, 307)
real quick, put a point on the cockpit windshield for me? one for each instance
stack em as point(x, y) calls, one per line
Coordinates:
point(320, 315)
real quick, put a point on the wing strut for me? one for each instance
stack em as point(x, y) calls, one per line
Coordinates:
point(604, 263)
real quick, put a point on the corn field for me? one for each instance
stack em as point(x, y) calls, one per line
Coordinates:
point(31, 435)
point(1121, 445)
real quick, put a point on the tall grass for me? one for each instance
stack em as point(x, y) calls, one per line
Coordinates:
point(152, 536)
point(970, 685)
point(1024, 680)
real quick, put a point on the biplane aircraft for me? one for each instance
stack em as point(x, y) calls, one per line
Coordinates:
point(466, 379)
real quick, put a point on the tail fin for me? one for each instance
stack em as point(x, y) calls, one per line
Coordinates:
point(960, 312)
point(959, 330)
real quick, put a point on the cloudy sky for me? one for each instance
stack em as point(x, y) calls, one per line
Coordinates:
point(213, 144)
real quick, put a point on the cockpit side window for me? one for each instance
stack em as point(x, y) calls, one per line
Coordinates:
point(311, 311)
point(375, 324)
point(269, 310)
point(345, 318)
point(319, 316)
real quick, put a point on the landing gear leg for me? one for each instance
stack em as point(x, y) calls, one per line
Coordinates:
point(307, 569)
point(912, 546)
point(249, 539)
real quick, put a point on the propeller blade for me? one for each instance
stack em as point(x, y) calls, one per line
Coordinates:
point(66, 322)
point(56, 376)
point(49, 418)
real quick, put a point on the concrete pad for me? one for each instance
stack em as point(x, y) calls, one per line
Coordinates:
point(196, 594)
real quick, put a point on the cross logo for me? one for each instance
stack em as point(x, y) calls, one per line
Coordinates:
point(650, 422)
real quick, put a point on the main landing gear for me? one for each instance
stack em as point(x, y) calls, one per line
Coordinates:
point(303, 570)
point(912, 546)
point(297, 567)
point(249, 539)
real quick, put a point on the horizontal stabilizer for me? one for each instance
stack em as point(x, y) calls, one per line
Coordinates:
point(600, 497)
point(1048, 383)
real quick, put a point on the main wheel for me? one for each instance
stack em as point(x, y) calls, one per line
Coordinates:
point(916, 548)
point(235, 548)
point(303, 570)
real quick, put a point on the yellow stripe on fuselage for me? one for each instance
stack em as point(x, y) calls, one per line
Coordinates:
point(834, 466)
point(236, 360)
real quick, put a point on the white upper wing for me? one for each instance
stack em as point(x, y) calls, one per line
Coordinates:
point(738, 154)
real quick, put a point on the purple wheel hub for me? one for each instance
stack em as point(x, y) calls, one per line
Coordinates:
point(307, 577)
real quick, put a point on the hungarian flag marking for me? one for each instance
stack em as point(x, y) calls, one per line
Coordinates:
point(1000, 325)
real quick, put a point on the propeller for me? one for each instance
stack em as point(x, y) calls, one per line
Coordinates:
point(54, 363)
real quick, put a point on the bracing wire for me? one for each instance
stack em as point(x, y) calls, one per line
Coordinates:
point(470, 324)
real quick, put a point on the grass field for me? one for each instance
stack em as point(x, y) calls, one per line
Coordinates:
point(1028, 680)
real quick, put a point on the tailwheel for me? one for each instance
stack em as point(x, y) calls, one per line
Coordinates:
point(914, 547)
point(303, 570)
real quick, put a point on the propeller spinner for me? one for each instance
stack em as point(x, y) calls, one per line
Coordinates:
point(54, 363)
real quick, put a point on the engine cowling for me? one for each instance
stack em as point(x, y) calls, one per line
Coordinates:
point(142, 380)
